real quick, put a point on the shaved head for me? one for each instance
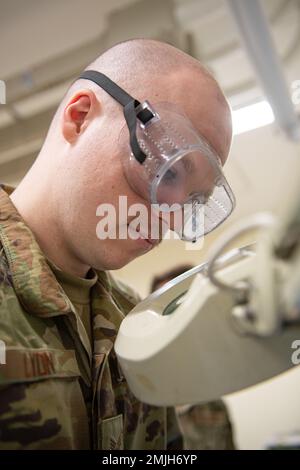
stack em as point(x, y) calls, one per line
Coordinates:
point(80, 163)
point(156, 71)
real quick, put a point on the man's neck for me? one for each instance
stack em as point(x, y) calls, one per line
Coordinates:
point(37, 211)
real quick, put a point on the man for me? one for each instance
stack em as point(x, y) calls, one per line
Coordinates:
point(61, 386)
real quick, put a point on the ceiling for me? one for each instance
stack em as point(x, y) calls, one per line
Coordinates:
point(44, 45)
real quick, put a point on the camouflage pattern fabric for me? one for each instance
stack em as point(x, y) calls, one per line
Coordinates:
point(206, 426)
point(56, 392)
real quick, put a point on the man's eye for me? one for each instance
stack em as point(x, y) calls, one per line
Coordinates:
point(170, 176)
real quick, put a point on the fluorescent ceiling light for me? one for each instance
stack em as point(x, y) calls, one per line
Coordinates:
point(251, 117)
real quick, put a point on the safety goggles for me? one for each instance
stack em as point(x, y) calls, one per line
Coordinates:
point(169, 164)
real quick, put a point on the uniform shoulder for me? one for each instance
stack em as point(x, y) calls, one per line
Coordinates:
point(5, 275)
point(9, 304)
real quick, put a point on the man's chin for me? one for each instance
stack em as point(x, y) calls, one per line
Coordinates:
point(119, 255)
point(114, 262)
point(120, 263)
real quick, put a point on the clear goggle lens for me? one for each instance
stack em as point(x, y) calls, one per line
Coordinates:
point(181, 173)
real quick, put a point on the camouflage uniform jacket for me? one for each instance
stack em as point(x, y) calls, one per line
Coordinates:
point(56, 392)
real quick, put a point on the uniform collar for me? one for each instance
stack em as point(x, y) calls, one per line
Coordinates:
point(37, 288)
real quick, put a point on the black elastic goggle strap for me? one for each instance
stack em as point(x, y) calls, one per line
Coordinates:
point(129, 104)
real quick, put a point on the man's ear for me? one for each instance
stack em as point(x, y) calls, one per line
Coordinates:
point(78, 113)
